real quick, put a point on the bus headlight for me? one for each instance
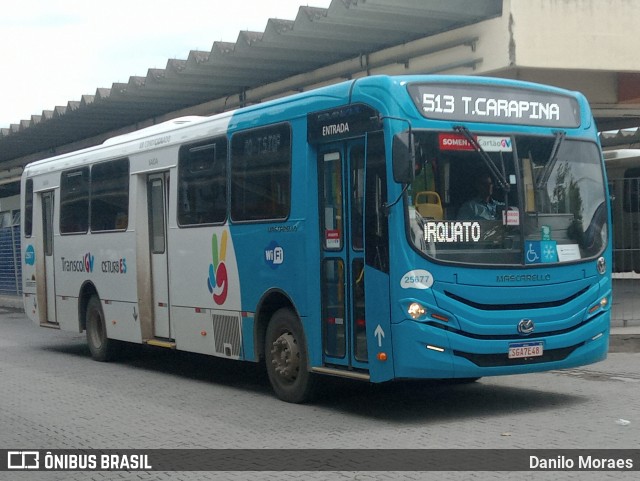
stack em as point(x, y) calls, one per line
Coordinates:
point(416, 310)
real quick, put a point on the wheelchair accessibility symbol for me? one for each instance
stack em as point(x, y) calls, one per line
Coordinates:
point(532, 254)
point(539, 252)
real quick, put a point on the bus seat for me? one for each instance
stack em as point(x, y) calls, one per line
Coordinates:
point(428, 205)
point(122, 221)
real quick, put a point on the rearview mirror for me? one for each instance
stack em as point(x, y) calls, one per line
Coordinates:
point(403, 157)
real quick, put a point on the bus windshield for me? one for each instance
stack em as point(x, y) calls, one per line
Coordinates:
point(506, 200)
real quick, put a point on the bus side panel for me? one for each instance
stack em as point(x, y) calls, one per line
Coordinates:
point(248, 338)
point(273, 261)
point(203, 268)
point(380, 339)
point(121, 318)
point(108, 264)
point(193, 329)
point(624, 185)
point(205, 291)
point(281, 256)
point(70, 252)
point(122, 321)
point(67, 313)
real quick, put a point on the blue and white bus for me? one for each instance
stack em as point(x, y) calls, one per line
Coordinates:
point(623, 173)
point(333, 233)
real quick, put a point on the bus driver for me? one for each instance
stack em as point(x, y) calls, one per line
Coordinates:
point(483, 206)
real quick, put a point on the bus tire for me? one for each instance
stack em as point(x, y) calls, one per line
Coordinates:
point(102, 348)
point(286, 358)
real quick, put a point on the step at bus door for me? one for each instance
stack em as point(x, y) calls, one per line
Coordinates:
point(341, 185)
point(157, 197)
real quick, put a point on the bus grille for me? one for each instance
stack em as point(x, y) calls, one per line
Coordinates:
point(226, 333)
point(512, 336)
point(509, 307)
point(497, 360)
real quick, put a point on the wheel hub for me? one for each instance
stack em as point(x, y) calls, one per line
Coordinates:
point(285, 356)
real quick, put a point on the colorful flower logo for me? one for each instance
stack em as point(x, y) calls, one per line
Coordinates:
point(217, 281)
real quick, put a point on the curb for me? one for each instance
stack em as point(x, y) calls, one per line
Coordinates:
point(624, 339)
point(12, 302)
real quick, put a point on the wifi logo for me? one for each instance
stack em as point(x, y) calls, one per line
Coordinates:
point(217, 282)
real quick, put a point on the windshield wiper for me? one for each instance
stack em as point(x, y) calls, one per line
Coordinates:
point(553, 158)
point(491, 165)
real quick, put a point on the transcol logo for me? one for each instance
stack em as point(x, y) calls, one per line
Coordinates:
point(217, 282)
point(88, 262)
point(83, 265)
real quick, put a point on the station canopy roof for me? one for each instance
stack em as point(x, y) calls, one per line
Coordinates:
point(318, 37)
point(621, 138)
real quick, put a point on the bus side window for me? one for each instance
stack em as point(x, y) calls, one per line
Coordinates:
point(74, 201)
point(261, 173)
point(110, 195)
point(202, 183)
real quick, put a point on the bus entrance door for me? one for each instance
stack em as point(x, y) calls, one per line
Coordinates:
point(157, 195)
point(341, 184)
point(47, 299)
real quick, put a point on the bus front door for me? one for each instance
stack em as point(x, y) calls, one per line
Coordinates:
point(341, 184)
point(157, 196)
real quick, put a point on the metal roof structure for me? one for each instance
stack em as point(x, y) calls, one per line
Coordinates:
point(318, 37)
point(623, 138)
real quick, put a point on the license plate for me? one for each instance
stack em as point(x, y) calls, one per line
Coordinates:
point(521, 350)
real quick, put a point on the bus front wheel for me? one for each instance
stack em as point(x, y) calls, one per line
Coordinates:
point(286, 358)
point(102, 348)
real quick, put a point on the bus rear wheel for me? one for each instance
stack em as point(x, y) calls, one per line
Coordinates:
point(286, 358)
point(102, 348)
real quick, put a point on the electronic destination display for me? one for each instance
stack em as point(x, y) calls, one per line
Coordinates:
point(486, 103)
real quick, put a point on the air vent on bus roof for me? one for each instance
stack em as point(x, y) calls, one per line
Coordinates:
point(152, 130)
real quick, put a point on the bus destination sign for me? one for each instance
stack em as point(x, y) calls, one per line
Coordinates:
point(486, 103)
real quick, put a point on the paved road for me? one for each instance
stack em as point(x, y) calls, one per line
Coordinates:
point(53, 396)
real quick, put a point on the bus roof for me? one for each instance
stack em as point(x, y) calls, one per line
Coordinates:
point(332, 95)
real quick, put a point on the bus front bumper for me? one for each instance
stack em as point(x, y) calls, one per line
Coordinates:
point(422, 351)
